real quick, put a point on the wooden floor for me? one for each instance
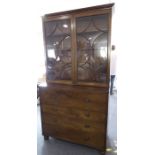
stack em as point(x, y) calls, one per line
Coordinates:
point(59, 147)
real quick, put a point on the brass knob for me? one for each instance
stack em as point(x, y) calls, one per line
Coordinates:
point(87, 126)
point(87, 138)
point(87, 100)
point(87, 114)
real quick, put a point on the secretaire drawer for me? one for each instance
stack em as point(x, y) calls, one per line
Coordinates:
point(75, 98)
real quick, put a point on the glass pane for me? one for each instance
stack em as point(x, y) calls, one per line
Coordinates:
point(58, 45)
point(92, 35)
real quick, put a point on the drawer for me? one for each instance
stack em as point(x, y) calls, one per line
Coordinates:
point(75, 113)
point(71, 113)
point(93, 139)
point(84, 100)
point(73, 123)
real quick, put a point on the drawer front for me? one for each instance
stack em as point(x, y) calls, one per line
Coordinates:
point(93, 139)
point(72, 98)
point(73, 113)
point(73, 123)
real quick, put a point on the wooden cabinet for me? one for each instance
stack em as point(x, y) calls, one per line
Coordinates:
point(74, 104)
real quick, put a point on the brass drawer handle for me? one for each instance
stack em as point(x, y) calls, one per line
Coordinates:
point(87, 115)
point(55, 102)
point(55, 121)
point(87, 126)
point(88, 100)
point(86, 139)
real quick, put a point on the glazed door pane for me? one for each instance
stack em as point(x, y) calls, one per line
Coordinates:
point(92, 40)
point(58, 49)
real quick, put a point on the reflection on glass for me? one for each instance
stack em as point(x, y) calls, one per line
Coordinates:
point(103, 52)
point(92, 40)
point(51, 53)
point(65, 25)
point(58, 45)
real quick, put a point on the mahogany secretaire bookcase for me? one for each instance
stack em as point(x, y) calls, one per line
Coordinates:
point(74, 105)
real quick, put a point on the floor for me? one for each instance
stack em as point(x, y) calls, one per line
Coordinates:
point(59, 147)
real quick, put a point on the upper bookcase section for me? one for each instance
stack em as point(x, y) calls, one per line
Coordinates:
point(77, 46)
point(103, 8)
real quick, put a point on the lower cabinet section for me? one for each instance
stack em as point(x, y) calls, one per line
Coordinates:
point(76, 114)
point(88, 138)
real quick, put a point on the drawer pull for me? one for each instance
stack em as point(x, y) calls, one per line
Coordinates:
point(87, 126)
point(87, 138)
point(55, 102)
point(87, 115)
point(88, 100)
point(55, 121)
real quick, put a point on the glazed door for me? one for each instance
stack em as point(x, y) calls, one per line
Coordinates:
point(57, 36)
point(92, 48)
